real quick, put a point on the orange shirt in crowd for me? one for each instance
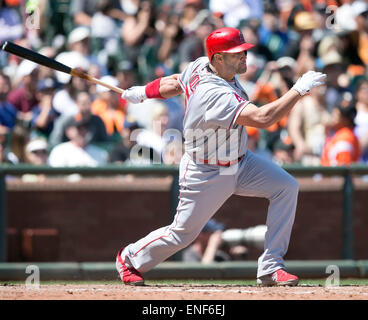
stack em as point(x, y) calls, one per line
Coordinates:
point(112, 118)
point(363, 48)
point(341, 149)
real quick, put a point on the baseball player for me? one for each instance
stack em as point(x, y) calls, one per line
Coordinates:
point(216, 162)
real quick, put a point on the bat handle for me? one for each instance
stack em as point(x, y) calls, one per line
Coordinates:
point(85, 76)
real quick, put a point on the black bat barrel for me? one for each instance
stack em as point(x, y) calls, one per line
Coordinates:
point(25, 53)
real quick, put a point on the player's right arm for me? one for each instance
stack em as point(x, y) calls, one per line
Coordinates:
point(265, 116)
point(170, 87)
point(161, 88)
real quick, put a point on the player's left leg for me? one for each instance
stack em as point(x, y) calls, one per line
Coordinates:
point(202, 192)
point(259, 177)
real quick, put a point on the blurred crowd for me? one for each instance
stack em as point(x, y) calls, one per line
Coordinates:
point(49, 117)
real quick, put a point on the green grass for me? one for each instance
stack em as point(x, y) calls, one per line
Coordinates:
point(305, 282)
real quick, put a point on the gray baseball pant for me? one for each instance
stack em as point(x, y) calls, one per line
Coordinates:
point(203, 190)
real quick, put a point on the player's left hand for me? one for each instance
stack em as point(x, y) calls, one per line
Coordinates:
point(308, 81)
point(136, 94)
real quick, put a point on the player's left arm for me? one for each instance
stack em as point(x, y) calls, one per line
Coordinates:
point(265, 116)
point(272, 112)
point(161, 88)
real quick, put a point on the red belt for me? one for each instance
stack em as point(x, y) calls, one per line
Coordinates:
point(223, 163)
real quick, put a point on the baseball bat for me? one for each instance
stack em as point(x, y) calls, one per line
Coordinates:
point(40, 59)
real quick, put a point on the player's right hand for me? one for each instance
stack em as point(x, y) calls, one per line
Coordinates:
point(136, 94)
point(308, 81)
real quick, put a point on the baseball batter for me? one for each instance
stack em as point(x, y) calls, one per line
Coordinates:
point(216, 162)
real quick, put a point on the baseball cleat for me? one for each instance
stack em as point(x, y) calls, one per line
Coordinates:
point(129, 276)
point(278, 278)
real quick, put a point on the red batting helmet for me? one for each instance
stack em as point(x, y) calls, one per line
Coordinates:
point(229, 40)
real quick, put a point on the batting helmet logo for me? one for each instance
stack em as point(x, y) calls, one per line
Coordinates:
point(229, 40)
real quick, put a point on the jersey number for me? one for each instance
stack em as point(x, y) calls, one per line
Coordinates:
point(193, 82)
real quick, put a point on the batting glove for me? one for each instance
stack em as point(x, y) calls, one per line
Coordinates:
point(136, 94)
point(308, 81)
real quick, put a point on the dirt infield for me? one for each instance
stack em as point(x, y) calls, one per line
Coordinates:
point(180, 292)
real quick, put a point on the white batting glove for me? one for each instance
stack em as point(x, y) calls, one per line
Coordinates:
point(136, 94)
point(308, 81)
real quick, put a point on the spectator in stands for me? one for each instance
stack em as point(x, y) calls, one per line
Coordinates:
point(126, 78)
point(77, 151)
point(361, 18)
point(65, 99)
point(250, 32)
point(10, 22)
point(120, 153)
point(79, 43)
point(248, 79)
point(5, 156)
point(78, 53)
point(36, 151)
point(138, 27)
point(104, 34)
point(82, 11)
point(8, 113)
point(329, 55)
point(215, 244)
point(171, 37)
point(206, 247)
point(93, 71)
point(46, 72)
point(235, 11)
point(23, 96)
point(283, 150)
point(44, 114)
point(192, 47)
point(19, 137)
point(254, 137)
point(276, 79)
point(305, 24)
point(57, 22)
point(306, 127)
point(361, 119)
point(158, 37)
point(96, 127)
point(2, 147)
point(270, 34)
point(156, 137)
point(341, 146)
point(188, 15)
point(107, 107)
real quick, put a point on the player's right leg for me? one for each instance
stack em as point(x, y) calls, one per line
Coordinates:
point(259, 177)
point(202, 193)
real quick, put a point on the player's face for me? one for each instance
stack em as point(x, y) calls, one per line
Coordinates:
point(237, 62)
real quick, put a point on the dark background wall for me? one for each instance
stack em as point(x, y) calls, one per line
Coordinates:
point(79, 223)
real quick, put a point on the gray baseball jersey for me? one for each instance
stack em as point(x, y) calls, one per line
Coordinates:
point(210, 132)
point(211, 135)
